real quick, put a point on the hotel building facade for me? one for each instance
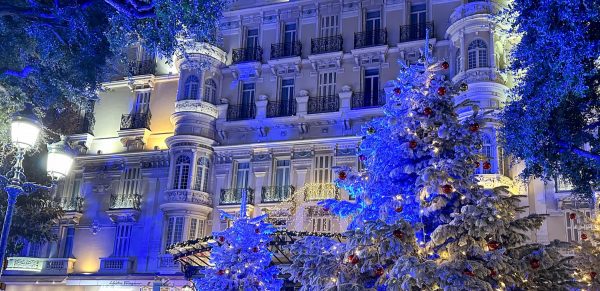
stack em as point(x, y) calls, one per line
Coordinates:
point(270, 109)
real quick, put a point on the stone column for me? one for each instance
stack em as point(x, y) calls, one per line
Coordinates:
point(222, 109)
point(259, 181)
point(345, 98)
point(261, 107)
point(302, 102)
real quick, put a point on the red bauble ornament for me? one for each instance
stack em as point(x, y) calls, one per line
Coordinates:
point(441, 91)
point(399, 234)
point(468, 272)
point(353, 259)
point(397, 90)
point(593, 275)
point(255, 249)
point(477, 164)
point(474, 127)
point(534, 263)
point(379, 271)
point(362, 158)
point(220, 272)
point(445, 65)
point(399, 209)
point(257, 230)
point(493, 245)
point(493, 273)
point(487, 165)
point(342, 175)
point(326, 209)
point(221, 239)
point(412, 144)
point(428, 111)
point(584, 236)
point(572, 216)
point(447, 189)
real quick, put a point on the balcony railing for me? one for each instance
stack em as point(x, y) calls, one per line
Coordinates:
point(473, 8)
point(115, 265)
point(286, 50)
point(52, 266)
point(241, 112)
point(279, 109)
point(326, 44)
point(189, 196)
point(322, 104)
point(370, 38)
point(234, 196)
point(121, 201)
point(415, 31)
point(135, 121)
point(72, 204)
point(276, 193)
point(249, 54)
point(320, 191)
point(146, 67)
point(167, 262)
point(362, 100)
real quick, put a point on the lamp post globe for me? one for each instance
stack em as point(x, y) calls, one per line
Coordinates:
point(24, 131)
point(59, 160)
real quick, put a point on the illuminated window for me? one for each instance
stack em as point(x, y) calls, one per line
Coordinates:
point(477, 54)
point(182, 171)
point(174, 231)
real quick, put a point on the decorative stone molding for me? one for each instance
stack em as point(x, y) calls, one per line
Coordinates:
point(246, 71)
point(123, 215)
point(197, 106)
point(368, 56)
point(307, 154)
point(134, 139)
point(491, 181)
point(468, 9)
point(286, 67)
point(188, 196)
point(326, 61)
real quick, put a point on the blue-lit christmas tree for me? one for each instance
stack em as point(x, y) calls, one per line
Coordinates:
point(240, 258)
point(420, 221)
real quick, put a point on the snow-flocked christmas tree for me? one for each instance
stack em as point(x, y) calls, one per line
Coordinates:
point(240, 258)
point(420, 220)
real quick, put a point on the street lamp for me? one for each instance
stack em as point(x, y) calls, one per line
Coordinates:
point(25, 130)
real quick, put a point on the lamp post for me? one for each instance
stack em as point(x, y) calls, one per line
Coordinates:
point(25, 129)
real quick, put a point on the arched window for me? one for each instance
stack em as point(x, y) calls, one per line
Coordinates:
point(486, 151)
point(182, 172)
point(478, 55)
point(210, 91)
point(191, 87)
point(202, 170)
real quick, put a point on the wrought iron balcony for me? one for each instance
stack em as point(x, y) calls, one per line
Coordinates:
point(370, 38)
point(42, 266)
point(320, 191)
point(322, 104)
point(146, 67)
point(72, 204)
point(276, 193)
point(189, 196)
point(286, 50)
point(135, 121)
point(362, 100)
point(233, 196)
point(249, 54)
point(241, 112)
point(279, 109)
point(415, 31)
point(121, 201)
point(326, 44)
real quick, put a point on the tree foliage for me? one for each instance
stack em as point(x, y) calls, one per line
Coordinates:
point(552, 121)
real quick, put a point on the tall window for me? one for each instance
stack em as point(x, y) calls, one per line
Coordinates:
point(282, 173)
point(289, 37)
point(329, 25)
point(252, 38)
point(202, 169)
point(196, 228)
point(142, 102)
point(477, 54)
point(191, 88)
point(487, 153)
point(242, 176)
point(321, 224)
point(371, 87)
point(182, 172)
point(418, 14)
point(372, 27)
point(322, 169)
point(69, 238)
point(121, 248)
point(174, 231)
point(579, 225)
point(130, 182)
point(286, 97)
point(210, 91)
point(247, 102)
point(327, 82)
